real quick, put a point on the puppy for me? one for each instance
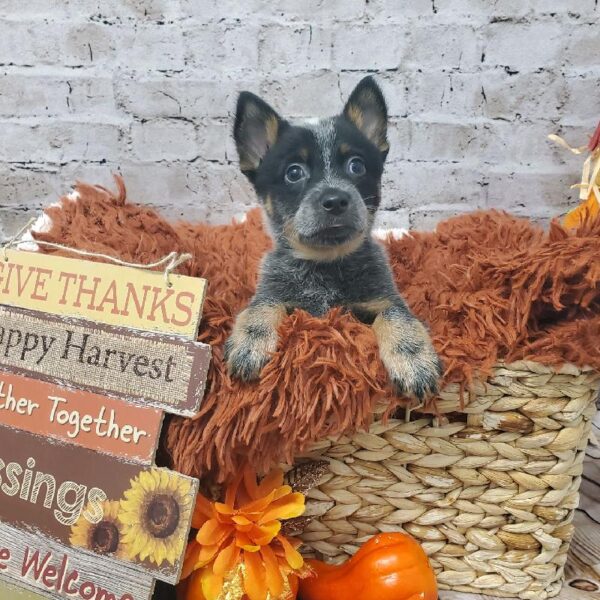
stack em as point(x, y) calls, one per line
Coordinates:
point(319, 182)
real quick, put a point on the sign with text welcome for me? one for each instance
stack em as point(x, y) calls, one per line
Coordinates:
point(133, 514)
point(37, 563)
point(163, 371)
point(102, 292)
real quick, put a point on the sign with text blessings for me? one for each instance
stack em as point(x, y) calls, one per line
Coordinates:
point(91, 354)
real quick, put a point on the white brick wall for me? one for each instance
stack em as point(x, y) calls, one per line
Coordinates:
point(147, 88)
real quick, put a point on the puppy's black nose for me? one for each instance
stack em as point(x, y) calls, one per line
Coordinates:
point(335, 202)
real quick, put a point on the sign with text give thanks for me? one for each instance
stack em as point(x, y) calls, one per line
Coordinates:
point(102, 292)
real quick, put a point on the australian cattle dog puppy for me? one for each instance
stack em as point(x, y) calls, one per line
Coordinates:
point(319, 182)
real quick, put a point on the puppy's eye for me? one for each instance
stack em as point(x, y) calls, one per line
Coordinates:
point(295, 173)
point(356, 166)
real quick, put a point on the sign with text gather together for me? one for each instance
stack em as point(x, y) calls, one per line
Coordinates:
point(89, 420)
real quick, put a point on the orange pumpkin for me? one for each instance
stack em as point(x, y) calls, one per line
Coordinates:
point(390, 566)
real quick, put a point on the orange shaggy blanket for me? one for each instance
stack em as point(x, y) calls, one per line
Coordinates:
point(489, 285)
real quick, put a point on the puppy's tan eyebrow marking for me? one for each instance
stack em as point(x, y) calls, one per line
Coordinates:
point(345, 149)
point(304, 153)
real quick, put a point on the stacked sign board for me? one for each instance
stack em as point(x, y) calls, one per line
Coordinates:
point(91, 355)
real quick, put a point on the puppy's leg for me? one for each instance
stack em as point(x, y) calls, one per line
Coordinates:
point(253, 339)
point(406, 351)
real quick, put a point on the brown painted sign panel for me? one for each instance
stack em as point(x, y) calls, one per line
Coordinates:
point(51, 570)
point(102, 292)
point(129, 513)
point(82, 418)
point(158, 370)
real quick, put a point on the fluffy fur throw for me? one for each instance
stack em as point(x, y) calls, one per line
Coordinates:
point(489, 285)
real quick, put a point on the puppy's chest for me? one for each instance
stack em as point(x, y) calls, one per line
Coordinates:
point(317, 291)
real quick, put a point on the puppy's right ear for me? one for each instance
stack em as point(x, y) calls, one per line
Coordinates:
point(256, 129)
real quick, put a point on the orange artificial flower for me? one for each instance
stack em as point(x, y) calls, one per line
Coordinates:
point(239, 542)
point(586, 211)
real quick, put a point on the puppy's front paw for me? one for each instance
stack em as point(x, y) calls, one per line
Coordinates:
point(413, 365)
point(253, 341)
point(245, 357)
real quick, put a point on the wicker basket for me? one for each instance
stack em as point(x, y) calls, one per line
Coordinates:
point(490, 492)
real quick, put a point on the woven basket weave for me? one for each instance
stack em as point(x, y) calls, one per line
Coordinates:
point(489, 492)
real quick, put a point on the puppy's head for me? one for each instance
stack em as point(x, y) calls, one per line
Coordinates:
point(319, 180)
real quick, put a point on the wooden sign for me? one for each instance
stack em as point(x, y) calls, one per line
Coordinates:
point(39, 564)
point(102, 292)
point(150, 369)
point(90, 355)
point(134, 515)
point(78, 417)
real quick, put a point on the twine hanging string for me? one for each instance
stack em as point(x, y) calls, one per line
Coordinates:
point(170, 262)
point(591, 167)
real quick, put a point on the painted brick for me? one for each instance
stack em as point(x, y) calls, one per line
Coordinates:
point(226, 48)
point(55, 143)
point(213, 11)
point(147, 88)
point(442, 46)
point(61, 43)
point(338, 11)
point(161, 96)
point(305, 95)
point(443, 141)
point(11, 221)
point(538, 195)
point(529, 96)
point(398, 10)
point(148, 46)
point(444, 93)
point(525, 47)
point(583, 44)
point(26, 187)
point(293, 50)
point(427, 217)
point(215, 141)
point(410, 184)
point(164, 139)
point(41, 92)
point(582, 96)
point(366, 47)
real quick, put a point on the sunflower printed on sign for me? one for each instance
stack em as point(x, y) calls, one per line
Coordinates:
point(154, 514)
point(103, 537)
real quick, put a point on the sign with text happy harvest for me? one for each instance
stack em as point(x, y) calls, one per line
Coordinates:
point(164, 371)
point(90, 356)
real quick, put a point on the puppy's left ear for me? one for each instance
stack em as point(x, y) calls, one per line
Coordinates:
point(367, 110)
point(256, 129)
